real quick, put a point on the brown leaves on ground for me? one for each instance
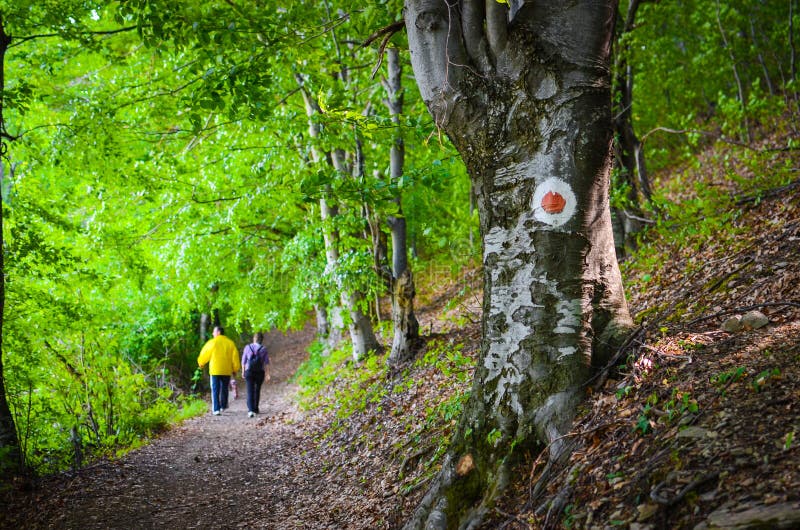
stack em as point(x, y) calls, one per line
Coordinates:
point(700, 428)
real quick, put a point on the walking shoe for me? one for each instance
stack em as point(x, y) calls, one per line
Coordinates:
point(215, 413)
point(251, 414)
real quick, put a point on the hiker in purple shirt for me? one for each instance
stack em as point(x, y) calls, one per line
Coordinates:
point(255, 369)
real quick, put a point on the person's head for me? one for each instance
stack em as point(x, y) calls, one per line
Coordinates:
point(218, 331)
point(258, 337)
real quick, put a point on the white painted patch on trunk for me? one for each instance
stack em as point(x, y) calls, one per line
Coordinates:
point(566, 352)
point(512, 276)
point(506, 361)
point(553, 202)
point(570, 311)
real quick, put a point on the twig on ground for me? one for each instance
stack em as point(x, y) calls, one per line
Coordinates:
point(790, 303)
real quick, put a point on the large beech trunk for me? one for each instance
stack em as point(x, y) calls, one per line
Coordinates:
point(524, 95)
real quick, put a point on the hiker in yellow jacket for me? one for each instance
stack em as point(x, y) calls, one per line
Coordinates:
point(224, 362)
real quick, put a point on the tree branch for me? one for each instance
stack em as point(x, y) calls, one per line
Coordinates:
point(790, 303)
point(389, 30)
point(20, 40)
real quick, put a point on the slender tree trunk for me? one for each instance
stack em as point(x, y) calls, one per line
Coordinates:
point(323, 326)
point(630, 153)
point(205, 320)
point(331, 237)
point(380, 245)
point(406, 326)
point(739, 85)
point(760, 57)
point(9, 442)
point(524, 94)
point(361, 331)
point(795, 93)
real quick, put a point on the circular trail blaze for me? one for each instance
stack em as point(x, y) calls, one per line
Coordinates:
point(553, 202)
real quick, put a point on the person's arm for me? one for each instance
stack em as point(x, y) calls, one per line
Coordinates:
point(205, 354)
point(267, 377)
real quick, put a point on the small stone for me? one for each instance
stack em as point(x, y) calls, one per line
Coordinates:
point(696, 432)
point(732, 325)
point(754, 320)
point(646, 511)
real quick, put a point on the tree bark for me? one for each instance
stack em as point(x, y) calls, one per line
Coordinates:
point(362, 334)
point(205, 320)
point(9, 442)
point(792, 49)
point(524, 94)
point(406, 325)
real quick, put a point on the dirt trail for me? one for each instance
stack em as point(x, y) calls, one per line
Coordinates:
point(226, 471)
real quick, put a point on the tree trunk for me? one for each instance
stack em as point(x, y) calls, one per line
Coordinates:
point(205, 320)
point(760, 57)
point(748, 135)
point(361, 332)
point(323, 325)
point(629, 152)
point(406, 326)
point(9, 442)
point(792, 49)
point(524, 94)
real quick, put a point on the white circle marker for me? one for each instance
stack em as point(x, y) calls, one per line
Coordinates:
point(553, 202)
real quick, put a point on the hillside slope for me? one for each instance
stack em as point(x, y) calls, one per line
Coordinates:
point(699, 428)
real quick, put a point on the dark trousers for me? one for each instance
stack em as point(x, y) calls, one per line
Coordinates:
point(219, 391)
point(253, 391)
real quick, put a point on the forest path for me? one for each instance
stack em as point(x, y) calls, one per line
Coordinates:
point(226, 471)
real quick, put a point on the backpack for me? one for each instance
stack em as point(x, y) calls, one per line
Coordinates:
point(257, 367)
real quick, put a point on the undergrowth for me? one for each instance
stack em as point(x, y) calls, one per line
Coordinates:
point(416, 407)
point(694, 212)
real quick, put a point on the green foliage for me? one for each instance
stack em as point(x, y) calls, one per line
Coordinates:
point(151, 184)
point(448, 359)
point(643, 422)
point(722, 380)
point(317, 375)
point(680, 404)
point(788, 440)
point(77, 401)
point(764, 377)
